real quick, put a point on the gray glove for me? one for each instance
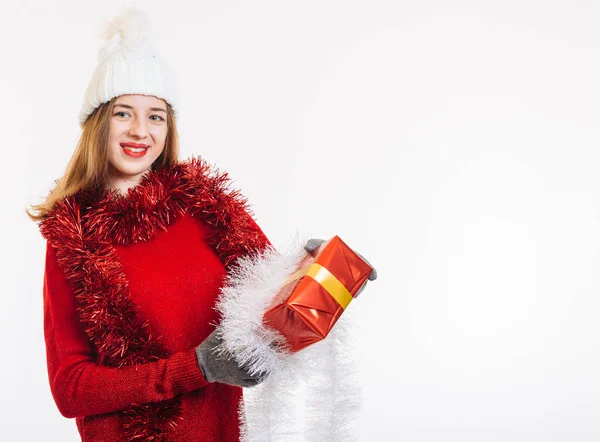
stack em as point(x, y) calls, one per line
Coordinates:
point(218, 367)
point(313, 243)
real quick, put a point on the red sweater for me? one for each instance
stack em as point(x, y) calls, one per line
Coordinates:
point(173, 279)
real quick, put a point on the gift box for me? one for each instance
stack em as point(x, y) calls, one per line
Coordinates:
point(314, 297)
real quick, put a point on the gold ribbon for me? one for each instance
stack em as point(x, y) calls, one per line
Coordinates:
point(324, 277)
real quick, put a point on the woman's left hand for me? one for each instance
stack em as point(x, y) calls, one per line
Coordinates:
point(313, 243)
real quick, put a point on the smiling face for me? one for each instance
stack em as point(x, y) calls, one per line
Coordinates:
point(137, 133)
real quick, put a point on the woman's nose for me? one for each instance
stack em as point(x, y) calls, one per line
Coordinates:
point(138, 127)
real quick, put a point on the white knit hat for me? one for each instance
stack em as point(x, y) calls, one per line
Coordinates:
point(128, 63)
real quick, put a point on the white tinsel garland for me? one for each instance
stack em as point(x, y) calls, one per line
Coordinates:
point(319, 382)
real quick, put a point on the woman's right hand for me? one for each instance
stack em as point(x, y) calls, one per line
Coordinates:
point(218, 367)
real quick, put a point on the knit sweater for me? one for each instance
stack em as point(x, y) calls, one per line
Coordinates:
point(129, 288)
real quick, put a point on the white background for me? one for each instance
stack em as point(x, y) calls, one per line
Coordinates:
point(456, 147)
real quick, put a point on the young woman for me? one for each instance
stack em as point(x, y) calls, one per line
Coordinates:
point(138, 246)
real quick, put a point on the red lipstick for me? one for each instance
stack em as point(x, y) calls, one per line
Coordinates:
point(135, 150)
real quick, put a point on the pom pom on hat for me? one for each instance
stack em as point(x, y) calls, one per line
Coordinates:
point(129, 31)
point(128, 63)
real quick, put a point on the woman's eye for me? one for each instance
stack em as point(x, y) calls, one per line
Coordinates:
point(159, 118)
point(119, 113)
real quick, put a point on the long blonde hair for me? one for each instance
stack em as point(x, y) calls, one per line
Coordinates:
point(88, 166)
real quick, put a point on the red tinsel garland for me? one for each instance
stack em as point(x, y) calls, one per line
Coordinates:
point(83, 228)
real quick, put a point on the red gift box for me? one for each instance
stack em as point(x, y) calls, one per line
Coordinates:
point(315, 296)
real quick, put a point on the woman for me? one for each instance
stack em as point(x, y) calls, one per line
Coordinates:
point(137, 247)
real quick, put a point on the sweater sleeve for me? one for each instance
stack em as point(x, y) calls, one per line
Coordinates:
point(81, 387)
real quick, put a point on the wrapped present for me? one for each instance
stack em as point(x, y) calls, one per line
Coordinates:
point(313, 298)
